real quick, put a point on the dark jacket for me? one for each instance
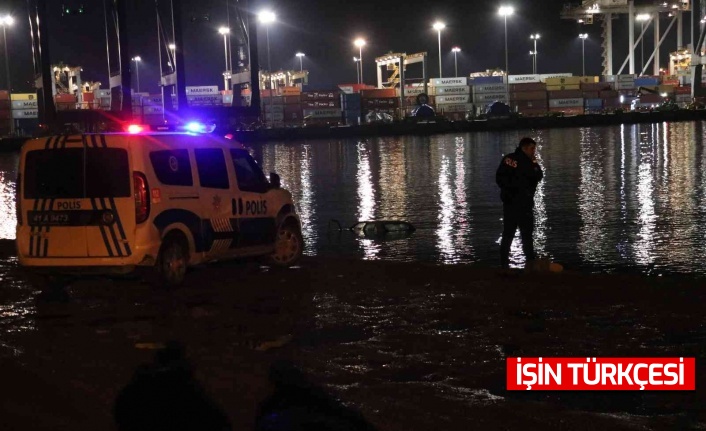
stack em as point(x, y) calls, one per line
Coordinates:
point(518, 177)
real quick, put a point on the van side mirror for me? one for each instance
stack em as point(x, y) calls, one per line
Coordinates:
point(274, 180)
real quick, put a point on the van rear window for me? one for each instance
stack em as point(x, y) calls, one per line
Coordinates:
point(71, 173)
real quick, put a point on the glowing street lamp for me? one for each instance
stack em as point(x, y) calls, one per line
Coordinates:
point(438, 26)
point(583, 37)
point(137, 59)
point(535, 38)
point(6, 21)
point(506, 11)
point(360, 43)
point(225, 31)
point(301, 56)
point(456, 50)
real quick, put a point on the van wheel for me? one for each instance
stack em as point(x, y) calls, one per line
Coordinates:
point(289, 245)
point(172, 261)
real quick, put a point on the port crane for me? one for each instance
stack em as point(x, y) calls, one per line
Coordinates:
point(171, 62)
point(607, 11)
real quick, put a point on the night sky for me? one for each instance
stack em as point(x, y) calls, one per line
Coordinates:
point(324, 30)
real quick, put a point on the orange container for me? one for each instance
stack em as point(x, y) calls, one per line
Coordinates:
point(378, 93)
point(4, 95)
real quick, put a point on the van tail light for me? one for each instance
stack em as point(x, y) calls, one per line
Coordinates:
point(142, 197)
point(18, 199)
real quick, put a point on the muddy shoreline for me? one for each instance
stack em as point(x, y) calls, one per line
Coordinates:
point(410, 346)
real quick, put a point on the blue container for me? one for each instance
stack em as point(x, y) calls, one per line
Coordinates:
point(593, 103)
point(646, 81)
point(482, 80)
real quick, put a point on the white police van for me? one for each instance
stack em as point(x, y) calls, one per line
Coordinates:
point(111, 203)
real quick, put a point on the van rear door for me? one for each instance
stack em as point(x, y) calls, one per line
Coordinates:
point(70, 189)
point(110, 196)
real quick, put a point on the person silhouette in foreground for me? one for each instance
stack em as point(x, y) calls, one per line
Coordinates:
point(518, 176)
point(165, 396)
point(423, 109)
point(298, 405)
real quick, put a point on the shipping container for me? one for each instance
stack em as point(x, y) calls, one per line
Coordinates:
point(593, 103)
point(528, 95)
point(322, 113)
point(543, 78)
point(491, 88)
point(293, 113)
point(19, 104)
point(378, 93)
point(609, 94)
point(564, 94)
point(563, 80)
point(596, 86)
point(683, 90)
point(4, 95)
point(591, 94)
point(575, 87)
point(529, 104)
point(483, 80)
point(413, 91)
point(536, 86)
point(316, 104)
point(23, 96)
point(588, 79)
point(380, 103)
point(461, 107)
point(276, 109)
point(490, 97)
point(520, 79)
point(453, 99)
point(566, 103)
point(275, 101)
point(448, 82)
point(444, 91)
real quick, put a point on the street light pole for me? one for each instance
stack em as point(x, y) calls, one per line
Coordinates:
point(505, 11)
point(301, 60)
point(5, 21)
point(225, 31)
point(535, 37)
point(642, 18)
point(360, 43)
point(583, 37)
point(267, 17)
point(456, 50)
point(137, 59)
point(438, 26)
point(357, 69)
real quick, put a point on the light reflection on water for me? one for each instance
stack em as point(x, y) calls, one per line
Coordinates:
point(629, 197)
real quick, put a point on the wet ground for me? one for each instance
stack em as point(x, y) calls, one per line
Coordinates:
point(410, 346)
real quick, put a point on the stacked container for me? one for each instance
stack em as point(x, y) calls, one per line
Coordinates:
point(273, 110)
point(352, 107)
point(321, 107)
point(528, 95)
point(625, 86)
point(591, 91)
point(101, 99)
point(410, 96)
point(293, 114)
point(379, 100)
point(452, 97)
point(484, 94)
point(4, 112)
point(64, 101)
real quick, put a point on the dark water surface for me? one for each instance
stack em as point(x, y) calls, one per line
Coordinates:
point(618, 198)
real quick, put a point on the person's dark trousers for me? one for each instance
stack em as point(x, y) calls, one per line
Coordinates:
point(515, 216)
